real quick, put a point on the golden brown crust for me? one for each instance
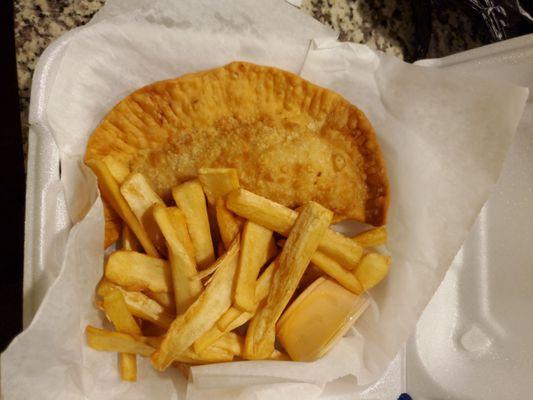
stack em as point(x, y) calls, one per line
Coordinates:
point(290, 140)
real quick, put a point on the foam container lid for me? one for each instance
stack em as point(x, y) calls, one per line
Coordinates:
point(472, 342)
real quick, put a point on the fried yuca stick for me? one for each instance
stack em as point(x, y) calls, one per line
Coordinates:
point(140, 305)
point(111, 192)
point(139, 194)
point(190, 198)
point(137, 271)
point(166, 299)
point(229, 226)
point(228, 223)
point(182, 265)
point(372, 269)
point(218, 182)
point(257, 247)
point(373, 237)
point(208, 338)
point(337, 272)
point(104, 340)
point(202, 314)
point(179, 223)
point(177, 219)
point(208, 271)
point(129, 240)
point(303, 240)
point(233, 317)
point(119, 315)
point(119, 171)
point(209, 356)
point(280, 219)
point(230, 343)
point(141, 197)
point(215, 336)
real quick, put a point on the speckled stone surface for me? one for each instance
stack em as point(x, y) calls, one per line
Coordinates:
point(381, 24)
point(387, 25)
point(37, 24)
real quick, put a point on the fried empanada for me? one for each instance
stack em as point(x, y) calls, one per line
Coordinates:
point(290, 140)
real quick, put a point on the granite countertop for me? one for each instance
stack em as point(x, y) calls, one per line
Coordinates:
point(387, 25)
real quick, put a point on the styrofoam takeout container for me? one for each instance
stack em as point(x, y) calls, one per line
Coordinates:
point(472, 342)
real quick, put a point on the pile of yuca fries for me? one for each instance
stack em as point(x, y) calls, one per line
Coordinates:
point(190, 277)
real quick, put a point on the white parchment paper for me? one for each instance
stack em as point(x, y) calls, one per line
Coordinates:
point(444, 138)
